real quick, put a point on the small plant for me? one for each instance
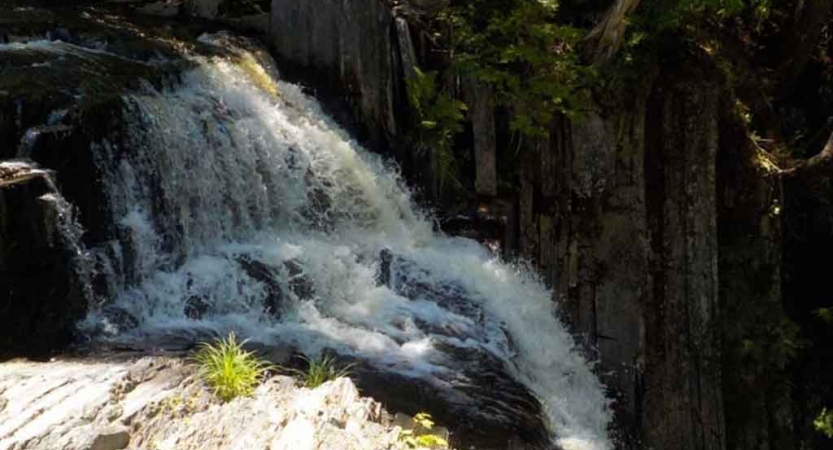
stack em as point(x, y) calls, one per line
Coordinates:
point(420, 438)
point(320, 371)
point(440, 117)
point(825, 314)
point(824, 423)
point(230, 370)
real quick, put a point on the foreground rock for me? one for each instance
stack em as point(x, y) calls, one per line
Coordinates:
point(158, 403)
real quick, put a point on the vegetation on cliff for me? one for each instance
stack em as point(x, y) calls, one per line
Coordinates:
point(542, 58)
point(549, 60)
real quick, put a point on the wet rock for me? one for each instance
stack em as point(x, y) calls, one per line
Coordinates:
point(278, 353)
point(196, 307)
point(383, 277)
point(479, 414)
point(269, 277)
point(481, 402)
point(259, 23)
point(164, 8)
point(299, 282)
point(319, 210)
point(41, 289)
point(406, 279)
point(489, 222)
point(120, 317)
point(207, 9)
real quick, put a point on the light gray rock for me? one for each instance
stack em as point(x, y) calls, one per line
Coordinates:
point(115, 437)
point(161, 404)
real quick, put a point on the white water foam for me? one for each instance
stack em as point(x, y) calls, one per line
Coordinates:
point(222, 170)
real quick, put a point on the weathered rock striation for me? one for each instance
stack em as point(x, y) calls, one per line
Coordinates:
point(159, 403)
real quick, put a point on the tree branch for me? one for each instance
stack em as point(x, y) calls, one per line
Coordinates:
point(822, 163)
point(606, 38)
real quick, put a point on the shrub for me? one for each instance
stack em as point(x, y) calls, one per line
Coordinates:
point(440, 118)
point(230, 370)
point(519, 48)
point(824, 423)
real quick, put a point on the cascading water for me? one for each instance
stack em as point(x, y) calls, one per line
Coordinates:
point(241, 206)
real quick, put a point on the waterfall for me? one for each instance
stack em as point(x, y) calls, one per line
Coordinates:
point(240, 205)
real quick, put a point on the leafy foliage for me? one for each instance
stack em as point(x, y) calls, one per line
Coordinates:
point(519, 49)
point(420, 437)
point(825, 314)
point(824, 423)
point(439, 117)
point(774, 344)
point(230, 370)
point(677, 13)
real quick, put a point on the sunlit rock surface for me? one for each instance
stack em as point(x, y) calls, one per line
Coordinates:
point(159, 403)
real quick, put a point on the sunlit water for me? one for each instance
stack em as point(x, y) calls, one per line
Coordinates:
point(235, 174)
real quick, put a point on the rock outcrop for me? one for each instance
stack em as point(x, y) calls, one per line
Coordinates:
point(60, 95)
point(159, 403)
point(42, 290)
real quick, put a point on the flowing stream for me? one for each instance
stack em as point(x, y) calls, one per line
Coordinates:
point(241, 206)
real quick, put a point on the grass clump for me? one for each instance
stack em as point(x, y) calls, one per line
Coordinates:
point(320, 371)
point(231, 371)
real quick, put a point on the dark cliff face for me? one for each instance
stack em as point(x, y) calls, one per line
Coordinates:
point(42, 293)
point(656, 220)
point(619, 211)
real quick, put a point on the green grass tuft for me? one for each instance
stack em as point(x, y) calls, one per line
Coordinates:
point(320, 371)
point(230, 370)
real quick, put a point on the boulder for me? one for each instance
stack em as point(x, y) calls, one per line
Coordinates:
point(165, 8)
point(207, 9)
point(114, 437)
